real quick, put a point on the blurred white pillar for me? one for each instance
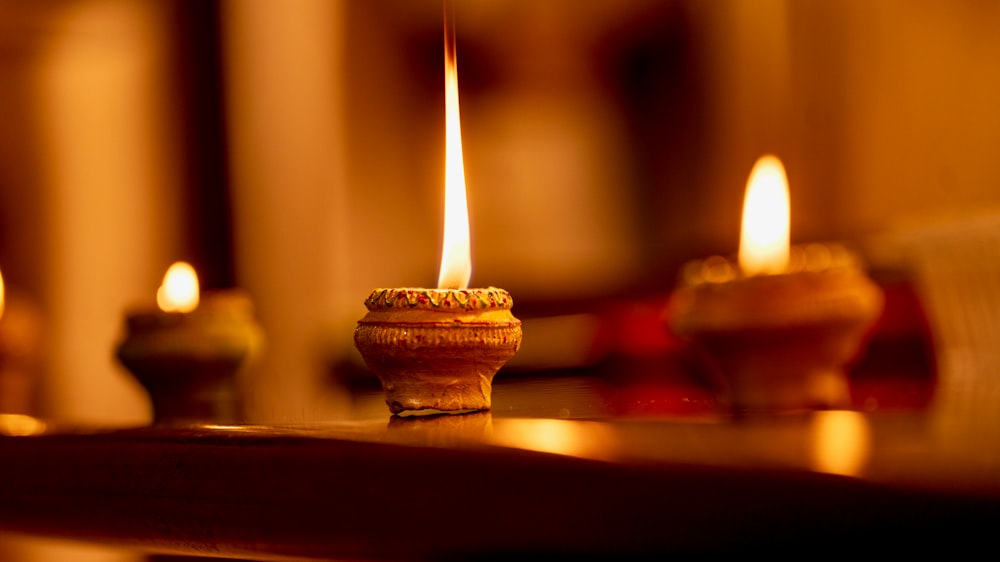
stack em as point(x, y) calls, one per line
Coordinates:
point(284, 79)
point(109, 174)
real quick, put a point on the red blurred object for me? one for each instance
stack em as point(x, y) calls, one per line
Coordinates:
point(899, 369)
point(653, 372)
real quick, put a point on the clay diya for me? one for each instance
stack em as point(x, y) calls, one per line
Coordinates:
point(187, 359)
point(438, 349)
point(781, 341)
point(780, 324)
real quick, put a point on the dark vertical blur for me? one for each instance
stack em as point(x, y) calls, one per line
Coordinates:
point(20, 142)
point(654, 69)
point(200, 112)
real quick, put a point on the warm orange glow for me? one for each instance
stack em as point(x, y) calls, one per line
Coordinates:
point(841, 442)
point(179, 291)
point(18, 425)
point(561, 437)
point(766, 216)
point(456, 255)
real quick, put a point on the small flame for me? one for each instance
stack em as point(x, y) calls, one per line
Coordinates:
point(3, 296)
point(456, 255)
point(764, 238)
point(179, 291)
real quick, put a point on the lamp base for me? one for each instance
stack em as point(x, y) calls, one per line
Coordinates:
point(438, 349)
point(188, 361)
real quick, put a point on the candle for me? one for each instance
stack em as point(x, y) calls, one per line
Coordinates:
point(778, 326)
point(187, 351)
point(438, 349)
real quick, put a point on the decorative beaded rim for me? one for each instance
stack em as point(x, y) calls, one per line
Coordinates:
point(491, 298)
point(809, 258)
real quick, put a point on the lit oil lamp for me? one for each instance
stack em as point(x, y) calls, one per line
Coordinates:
point(186, 353)
point(780, 324)
point(438, 349)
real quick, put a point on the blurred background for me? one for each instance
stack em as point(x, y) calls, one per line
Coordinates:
point(295, 149)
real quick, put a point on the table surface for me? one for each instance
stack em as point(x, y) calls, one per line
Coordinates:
point(566, 465)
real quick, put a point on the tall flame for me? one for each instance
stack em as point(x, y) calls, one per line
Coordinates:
point(764, 237)
point(456, 255)
point(179, 291)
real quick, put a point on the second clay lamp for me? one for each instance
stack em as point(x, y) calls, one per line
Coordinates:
point(779, 324)
point(186, 353)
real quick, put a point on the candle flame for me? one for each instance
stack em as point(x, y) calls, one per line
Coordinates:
point(456, 254)
point(3, 296)
point(764, 237)
point(179, 291)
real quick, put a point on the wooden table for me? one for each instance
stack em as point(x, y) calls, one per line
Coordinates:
point(556, 469)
